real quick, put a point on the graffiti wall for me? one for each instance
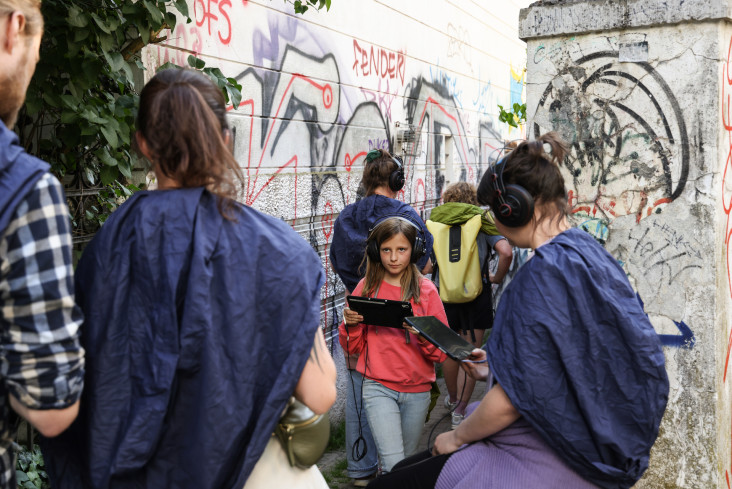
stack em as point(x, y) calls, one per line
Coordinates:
point(321, 90)
point(636, 112)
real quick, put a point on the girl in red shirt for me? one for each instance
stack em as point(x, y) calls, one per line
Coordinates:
point(398, 374)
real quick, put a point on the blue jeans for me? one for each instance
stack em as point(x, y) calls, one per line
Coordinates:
point(369, 463)
point(396, 420)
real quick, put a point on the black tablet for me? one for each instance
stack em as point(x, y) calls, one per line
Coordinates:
point(380, 312)
point(440, 335)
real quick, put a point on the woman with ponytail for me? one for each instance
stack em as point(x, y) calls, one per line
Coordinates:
point(580, 381)
point(202, 319)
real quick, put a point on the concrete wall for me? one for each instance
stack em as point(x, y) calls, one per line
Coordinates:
point(321, 90)
point(635, 88)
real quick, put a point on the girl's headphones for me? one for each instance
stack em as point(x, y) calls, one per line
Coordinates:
point(512, 204)
point(396, 178)
point(418, 249)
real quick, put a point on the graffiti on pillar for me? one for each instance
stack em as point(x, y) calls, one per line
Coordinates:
point(726, 84)
point(629, 148)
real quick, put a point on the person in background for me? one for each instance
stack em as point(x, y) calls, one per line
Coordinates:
point(383, 178)
point(471, 319)
point(42, 360)
point(562, 414)
point(398, 370)
point(202, 318)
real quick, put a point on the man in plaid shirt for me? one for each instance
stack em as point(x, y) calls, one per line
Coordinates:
point(41, 361)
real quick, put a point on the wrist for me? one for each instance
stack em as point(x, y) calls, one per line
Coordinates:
point(459, 435)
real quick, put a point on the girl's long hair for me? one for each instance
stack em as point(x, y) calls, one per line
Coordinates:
point(182, 117)
point(375, 271)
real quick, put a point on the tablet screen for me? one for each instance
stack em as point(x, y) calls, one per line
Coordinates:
point(380, 312)
point(440, 335)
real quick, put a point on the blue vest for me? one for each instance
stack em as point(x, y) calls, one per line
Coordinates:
point(19, 173)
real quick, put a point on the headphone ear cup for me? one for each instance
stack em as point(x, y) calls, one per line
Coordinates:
point(372, 251)
point(396, 180)
point(518, 207)
point(418, 250)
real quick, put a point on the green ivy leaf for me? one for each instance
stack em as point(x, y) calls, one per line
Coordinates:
point(182, 7)
point(115, 60)
point(105, 157)
point(155, 13)
point(106, 42)
point(104, 27)
point(196, 62)
point(108, 175)
point(110, 135)
point(80, 34)
point(125, 169)
point(76, 17)
point(69, 116)
point(90, 175)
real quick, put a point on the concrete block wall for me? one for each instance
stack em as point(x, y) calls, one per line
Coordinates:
point(320, 90)
point(641, 90)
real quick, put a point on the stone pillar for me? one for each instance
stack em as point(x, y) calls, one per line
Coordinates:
point(641, 89)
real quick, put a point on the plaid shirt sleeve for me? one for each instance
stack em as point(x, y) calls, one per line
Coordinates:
point(41, 359)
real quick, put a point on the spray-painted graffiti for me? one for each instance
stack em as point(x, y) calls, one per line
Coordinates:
point(459, 45)
point(301, 131)
point(378, 62)
point(215, 15)
point(629, 145)
point(663, 253)
point(184, 40)
point(726, 84)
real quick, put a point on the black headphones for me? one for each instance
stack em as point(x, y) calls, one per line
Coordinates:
point(512, 204)
point(418, 249)
point(396, 178)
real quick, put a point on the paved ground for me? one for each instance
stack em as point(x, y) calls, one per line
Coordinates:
point(332, 465)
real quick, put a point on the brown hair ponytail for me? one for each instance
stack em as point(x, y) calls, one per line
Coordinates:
point(182, 118)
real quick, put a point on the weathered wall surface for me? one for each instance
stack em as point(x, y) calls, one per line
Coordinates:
point(639, 105)
point(320, 90)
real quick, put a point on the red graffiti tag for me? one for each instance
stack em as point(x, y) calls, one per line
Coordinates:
point(222, 21)
point(727, 199)
point(327, 220)
point(378, 62)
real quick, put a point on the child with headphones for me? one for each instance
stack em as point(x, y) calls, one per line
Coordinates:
point(382, 179)
point(398, 371)
point(581, 380)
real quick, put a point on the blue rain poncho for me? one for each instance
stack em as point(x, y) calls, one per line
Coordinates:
point(351, 230)
point(579, 359)
point(197, 329)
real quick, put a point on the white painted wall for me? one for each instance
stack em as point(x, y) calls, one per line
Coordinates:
point(321, 90)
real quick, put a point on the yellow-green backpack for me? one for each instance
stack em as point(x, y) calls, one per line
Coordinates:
point(458, 264)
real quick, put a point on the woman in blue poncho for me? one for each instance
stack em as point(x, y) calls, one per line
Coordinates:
point(201, 319)
point(581, 380)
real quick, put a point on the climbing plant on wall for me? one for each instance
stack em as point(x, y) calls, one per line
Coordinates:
point(81, 105)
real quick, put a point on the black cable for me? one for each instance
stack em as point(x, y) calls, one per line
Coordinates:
point(360, 447)
point(449, 412)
